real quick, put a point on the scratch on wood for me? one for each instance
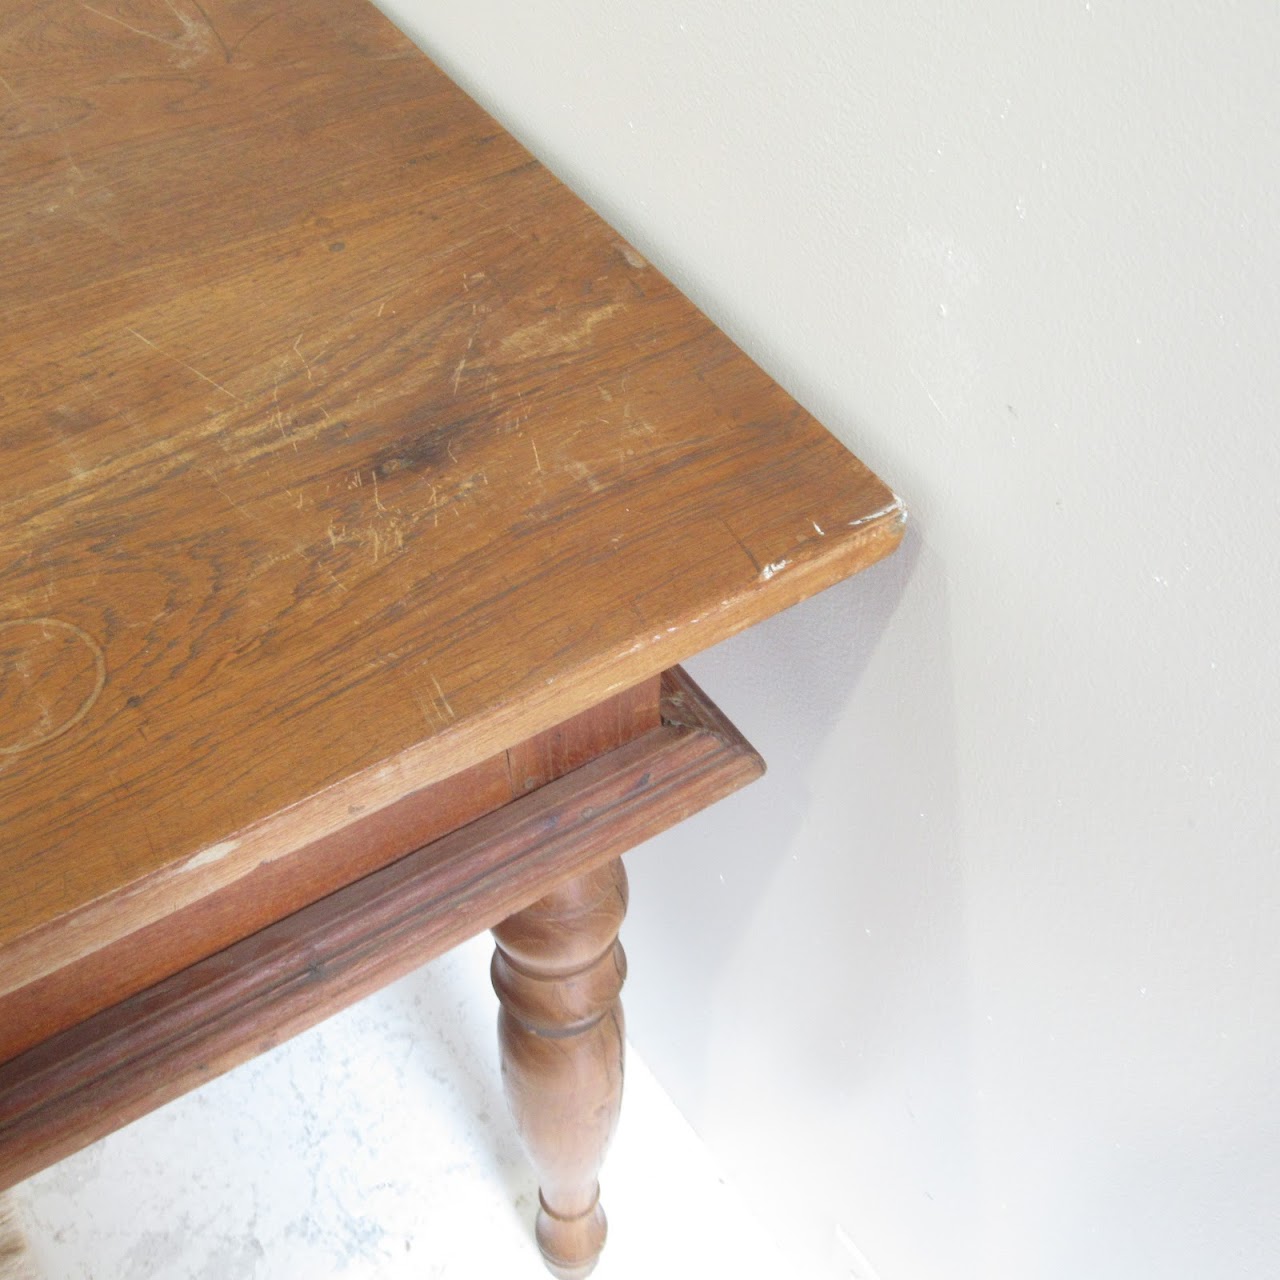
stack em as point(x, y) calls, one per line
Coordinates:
point(217, 484)
point(452, 713)
point(332, 578)
point(462, 364)
point(536, 459)
point(427, 713)
point(542, 337)
point(771, 570)
point(217, 35)
point(746, 550)
point(148, 35)
point(305, 361)
point(266, 17)
point(279, 417)
point(190, 368)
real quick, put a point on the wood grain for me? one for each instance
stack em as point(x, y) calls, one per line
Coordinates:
point(344, 450)
point(85, 1082)
point(565, 747)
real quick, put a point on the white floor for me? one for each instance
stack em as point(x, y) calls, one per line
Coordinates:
point(376, 1145)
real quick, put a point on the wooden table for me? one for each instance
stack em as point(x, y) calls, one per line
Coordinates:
point(361, 491)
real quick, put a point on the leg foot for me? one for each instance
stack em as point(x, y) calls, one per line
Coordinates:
point(571, 1246)
point(558, 970)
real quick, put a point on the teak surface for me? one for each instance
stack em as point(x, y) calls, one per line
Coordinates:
point(343, 448)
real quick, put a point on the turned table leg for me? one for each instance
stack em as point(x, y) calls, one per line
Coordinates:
point(558, 970)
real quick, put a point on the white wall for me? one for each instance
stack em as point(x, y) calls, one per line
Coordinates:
point(985, 976)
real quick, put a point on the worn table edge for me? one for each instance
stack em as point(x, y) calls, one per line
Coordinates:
point(49, 945)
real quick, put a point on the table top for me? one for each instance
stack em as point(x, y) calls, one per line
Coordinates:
point(343, 447)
